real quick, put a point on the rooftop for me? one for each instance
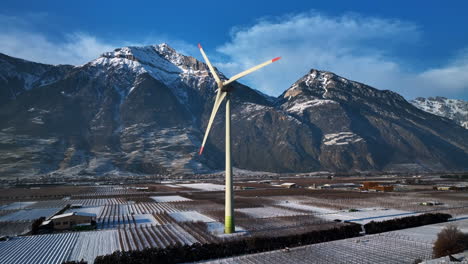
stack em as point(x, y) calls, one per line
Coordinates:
point(72, 213)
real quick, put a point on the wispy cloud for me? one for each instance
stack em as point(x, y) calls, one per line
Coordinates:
point(360, 48)
point(356, 47)
point(19, 37)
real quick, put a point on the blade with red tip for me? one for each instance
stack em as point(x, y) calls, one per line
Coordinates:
point(212, 70)
point(244, 73)
point(219, 99)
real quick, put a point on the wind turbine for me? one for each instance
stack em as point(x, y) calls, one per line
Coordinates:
point(223, 93)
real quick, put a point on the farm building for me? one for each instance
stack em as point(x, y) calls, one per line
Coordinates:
point(451, 188)
point(375, 186)
point(288, 185)
point(69, 220)
point(340, 186)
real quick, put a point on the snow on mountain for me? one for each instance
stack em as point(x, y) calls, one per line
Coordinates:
point(341, 138)
point(454, 109)
point(162, 62)
point(301, 106)
point(144, 109)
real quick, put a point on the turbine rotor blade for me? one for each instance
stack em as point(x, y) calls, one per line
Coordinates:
point(212, 70)
point(218, 101)
point(244, 73)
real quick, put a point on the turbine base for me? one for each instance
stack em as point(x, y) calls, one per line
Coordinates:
point(229, 225)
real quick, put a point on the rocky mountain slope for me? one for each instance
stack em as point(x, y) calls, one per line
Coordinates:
point(454, 109)
point(143, 110)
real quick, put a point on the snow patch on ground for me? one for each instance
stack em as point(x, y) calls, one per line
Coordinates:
point(145, 219)
point(366, 215)
point(191, 216)
point(305, 207)
point(170, 198)
point(267, 211)
point(429, 232)
point(204, 186)
point(217, 229)
point(172, 185)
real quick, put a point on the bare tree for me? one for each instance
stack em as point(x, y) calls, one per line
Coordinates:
point(450, 241)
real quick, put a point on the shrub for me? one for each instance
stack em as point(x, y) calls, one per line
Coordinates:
point(35, 226)
point(450, 241)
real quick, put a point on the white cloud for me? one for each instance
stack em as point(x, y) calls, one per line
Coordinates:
point(358, 48)
point(19, 37)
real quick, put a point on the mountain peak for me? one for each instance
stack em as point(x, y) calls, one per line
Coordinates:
point(315, 83)
point(319, 84)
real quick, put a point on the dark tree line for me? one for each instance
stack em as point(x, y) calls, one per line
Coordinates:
point(197, 251)
point(405, 222)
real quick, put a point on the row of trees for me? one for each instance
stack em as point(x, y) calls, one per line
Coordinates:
point(405, 222)
point(197, 251)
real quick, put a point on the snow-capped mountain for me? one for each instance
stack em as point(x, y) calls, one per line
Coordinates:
point(454, 109)
point(144, 109)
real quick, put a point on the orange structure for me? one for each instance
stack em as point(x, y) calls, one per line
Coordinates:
point(369, 185)
point(376, 186)
point(384, 188)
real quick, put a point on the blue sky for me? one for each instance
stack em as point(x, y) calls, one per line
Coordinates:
point(416, 48)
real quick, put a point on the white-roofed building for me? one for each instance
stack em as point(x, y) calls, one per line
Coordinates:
point(69, 220)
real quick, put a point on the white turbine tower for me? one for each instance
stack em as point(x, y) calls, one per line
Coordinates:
point(223, 93)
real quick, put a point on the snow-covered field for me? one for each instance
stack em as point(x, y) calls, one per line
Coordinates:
point(268, 211)
point(429, 232)
point(115, 221)
point(306, 207)
point(126, 220)
point(89, 245)
point(191, 216)
point(16, 205)
point(29, 214)
point(366, 215)
point(154, 236)
point(39, 249)
point(204, 186)
point(137, 208)
point(362, 216)
point(380, 248)
point(57, 248)
point(169, 198)
point(144, 219)
point(98, 202)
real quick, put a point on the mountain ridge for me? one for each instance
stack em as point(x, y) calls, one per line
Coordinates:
point(454, 109)
point(143, 109)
